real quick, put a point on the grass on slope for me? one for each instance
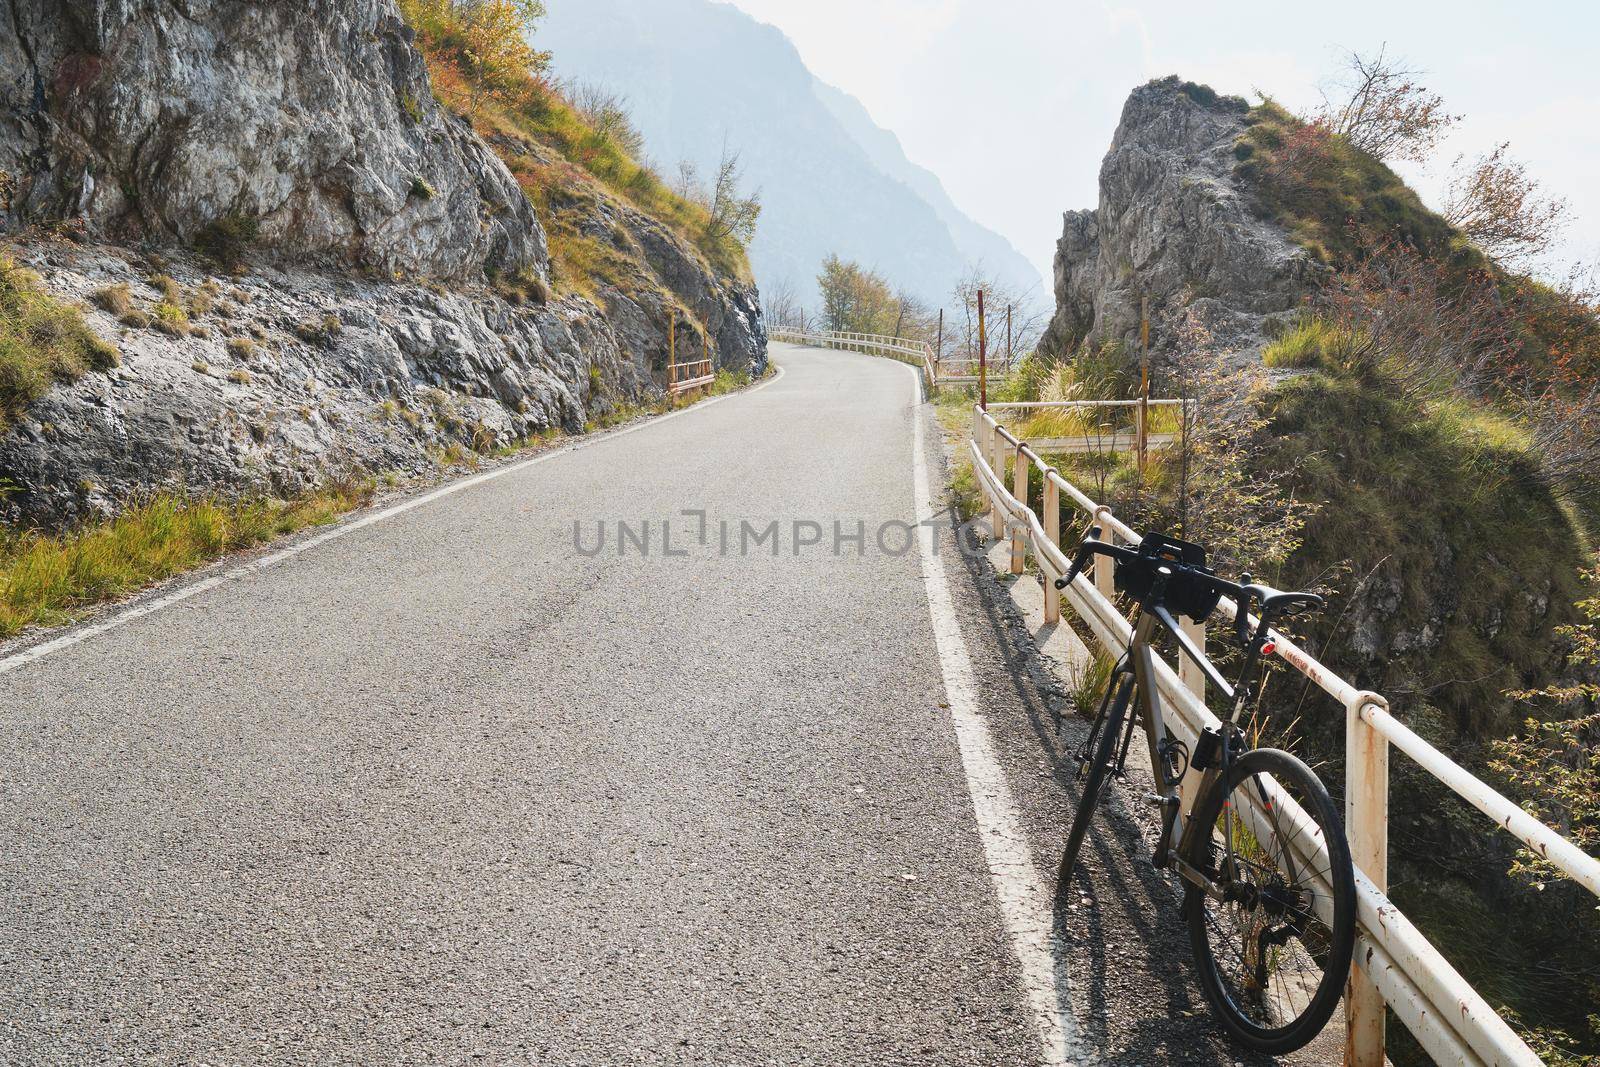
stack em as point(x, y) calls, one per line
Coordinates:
point(1340, 203)
point(1333, 198)
point(1443, 518)
point(49, 579)
point(528, 106)
point(45, 580)
point(42, 342)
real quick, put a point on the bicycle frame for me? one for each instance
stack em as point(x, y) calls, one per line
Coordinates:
point(1178, 799)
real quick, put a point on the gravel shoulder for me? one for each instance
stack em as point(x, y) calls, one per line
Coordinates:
point(1123, 947)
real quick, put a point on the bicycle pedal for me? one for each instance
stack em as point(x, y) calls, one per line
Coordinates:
point(1155, 800)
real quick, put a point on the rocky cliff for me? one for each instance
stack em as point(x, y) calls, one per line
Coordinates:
point(310, 268)
point(1175, 225)
point(1449, 542)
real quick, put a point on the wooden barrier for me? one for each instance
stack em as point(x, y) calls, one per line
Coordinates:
point(1398, 967)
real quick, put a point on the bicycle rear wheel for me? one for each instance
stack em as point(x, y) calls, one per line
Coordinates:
point(1273, 954)
point(1102, 748)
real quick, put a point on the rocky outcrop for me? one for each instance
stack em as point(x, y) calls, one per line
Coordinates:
point(310, 122)
point(1174, 224)
point(389, 310)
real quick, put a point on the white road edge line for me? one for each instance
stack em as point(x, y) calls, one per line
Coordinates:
point(1024, 905)
point(149, 607)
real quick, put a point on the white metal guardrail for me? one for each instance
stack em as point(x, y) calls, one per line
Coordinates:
point(935, 371)
point(917, 353)
point(1396, 964)
point(1138, 439)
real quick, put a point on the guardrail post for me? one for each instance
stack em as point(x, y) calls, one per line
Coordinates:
point(1052, 530)
point(1189, 672)
point(1366, 819)
point(1104, 568)
point(997, 463)
point(1019, 489)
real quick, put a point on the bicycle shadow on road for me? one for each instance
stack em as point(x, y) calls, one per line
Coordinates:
point(1123, 959)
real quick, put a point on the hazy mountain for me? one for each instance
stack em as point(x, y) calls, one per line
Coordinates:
point(977, 243)
point(698, 74)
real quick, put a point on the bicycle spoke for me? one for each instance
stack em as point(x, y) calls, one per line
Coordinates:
point(1267, 939)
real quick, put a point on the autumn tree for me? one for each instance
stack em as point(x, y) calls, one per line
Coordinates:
point(487, 41)
point(1405, 321)
point(1028, 316)
point(606, 112)
point(1215, 485)
point(781, 303)
point(855, 300)
point(733, 215)
point(1496, 203)
point(1382, 110)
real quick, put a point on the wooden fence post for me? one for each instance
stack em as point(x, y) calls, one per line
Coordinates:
point(1189, 672)
point(672, 349)
point(997, 463)
point(1052, 530)
point(1104, 567)
point(1366, 818)
point(1019, 489)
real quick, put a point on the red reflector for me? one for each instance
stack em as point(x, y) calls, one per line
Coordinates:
point(1269, 648)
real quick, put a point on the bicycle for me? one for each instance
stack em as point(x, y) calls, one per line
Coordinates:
point(1269, 888)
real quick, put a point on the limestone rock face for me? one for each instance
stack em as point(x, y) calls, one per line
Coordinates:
point(393, 314)
point(153, 119)
point(1174, 224)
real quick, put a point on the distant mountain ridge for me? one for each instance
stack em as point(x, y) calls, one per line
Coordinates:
point(699, 74)
point(977, 243)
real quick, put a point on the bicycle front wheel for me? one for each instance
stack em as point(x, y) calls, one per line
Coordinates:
point(1274, 952)
point(1102, 755)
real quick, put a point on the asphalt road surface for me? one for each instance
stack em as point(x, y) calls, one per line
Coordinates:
point(474, 779)
point(454, 786)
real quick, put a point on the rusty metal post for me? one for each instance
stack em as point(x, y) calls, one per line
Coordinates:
point(1010, 358)
point(983, 357)
point(1366, 819)
point(1142, 431)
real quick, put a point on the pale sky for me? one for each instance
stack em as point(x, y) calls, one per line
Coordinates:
point(1013, 102)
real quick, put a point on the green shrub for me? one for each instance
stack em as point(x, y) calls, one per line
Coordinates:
point(42, 342)
point(1312, 342)
point(171, 319)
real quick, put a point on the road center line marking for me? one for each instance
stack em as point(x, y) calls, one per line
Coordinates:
point(140, 609)
point(1024, 905)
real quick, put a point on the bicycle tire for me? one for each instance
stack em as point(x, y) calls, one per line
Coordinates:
point(1201, 910)
point(1108, 728)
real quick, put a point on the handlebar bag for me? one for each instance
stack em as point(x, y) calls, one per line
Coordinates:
point(1190, 591)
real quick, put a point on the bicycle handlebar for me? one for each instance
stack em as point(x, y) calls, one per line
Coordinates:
point(1091, 545)
point(1271, 603)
